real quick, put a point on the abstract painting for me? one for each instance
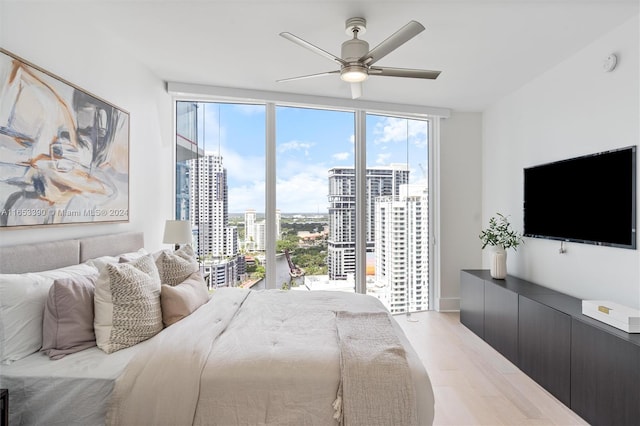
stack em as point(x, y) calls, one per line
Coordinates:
point(64, 153)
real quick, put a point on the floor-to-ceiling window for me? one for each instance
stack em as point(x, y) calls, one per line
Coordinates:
point(220, 187)
point(398, 212)
point(315, 194)
point(315, 191)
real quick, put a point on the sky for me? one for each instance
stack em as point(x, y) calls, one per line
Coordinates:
point(308, 143)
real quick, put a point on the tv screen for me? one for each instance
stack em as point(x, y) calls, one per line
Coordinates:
point(589, 199)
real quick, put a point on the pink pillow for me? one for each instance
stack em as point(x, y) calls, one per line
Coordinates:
point(181, 300)
point(68, 316)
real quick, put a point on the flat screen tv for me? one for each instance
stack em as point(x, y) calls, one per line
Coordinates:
point(589, 199)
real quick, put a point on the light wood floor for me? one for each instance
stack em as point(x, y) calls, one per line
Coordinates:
point(475, 385)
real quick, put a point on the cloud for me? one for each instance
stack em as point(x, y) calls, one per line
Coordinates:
point(303, 191)
point(341, 156)
point(395, 130)
point(383, 158)
point(295, 146)
point(243, 168)
point(301, 186)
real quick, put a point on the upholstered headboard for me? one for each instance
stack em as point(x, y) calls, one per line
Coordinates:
point(57, 254)
point(110, 245)
point(39, 257)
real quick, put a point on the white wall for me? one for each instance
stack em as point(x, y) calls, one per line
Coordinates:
point(48, 36)
point(573, 109)
point(460, 203)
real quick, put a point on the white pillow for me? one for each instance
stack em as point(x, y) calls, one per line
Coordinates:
point(22, 301)
point(127, 304)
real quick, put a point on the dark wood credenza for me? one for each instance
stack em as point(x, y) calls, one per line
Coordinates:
point(591, 367)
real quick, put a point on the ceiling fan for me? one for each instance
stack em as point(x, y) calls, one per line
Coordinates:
point(356, 63)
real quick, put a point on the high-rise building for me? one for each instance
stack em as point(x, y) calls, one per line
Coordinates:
point(209, 204)
point(260, 235)
point(217, 241)
point(255, 231)
point(250, 230)
point(380, 181)
point(402, 249)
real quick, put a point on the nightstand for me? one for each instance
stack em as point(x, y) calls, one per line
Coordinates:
point(4, 407)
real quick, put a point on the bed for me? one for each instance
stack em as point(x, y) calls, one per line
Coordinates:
point(267, 357)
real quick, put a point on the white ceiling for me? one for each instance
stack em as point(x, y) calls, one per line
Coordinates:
point(485, 49)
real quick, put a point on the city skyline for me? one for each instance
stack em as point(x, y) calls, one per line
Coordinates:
point(309, 142)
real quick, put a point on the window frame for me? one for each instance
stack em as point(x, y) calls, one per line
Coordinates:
point(360, 108)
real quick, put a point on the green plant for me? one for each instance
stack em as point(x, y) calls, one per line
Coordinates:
point(500, 234)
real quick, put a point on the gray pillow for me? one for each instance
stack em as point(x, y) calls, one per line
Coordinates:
point(175, 267)
point(67, 326)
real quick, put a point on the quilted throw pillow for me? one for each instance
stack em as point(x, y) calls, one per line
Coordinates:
point(127, 304)
point(175, 267)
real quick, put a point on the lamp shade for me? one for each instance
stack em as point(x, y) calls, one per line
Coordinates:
point(177, 232)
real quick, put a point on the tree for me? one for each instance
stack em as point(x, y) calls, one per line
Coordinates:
point(260, 272)
point(287, 244)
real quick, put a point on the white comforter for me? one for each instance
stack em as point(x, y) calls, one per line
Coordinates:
point(249, 358)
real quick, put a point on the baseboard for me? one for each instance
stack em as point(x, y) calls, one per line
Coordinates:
point(447, 304)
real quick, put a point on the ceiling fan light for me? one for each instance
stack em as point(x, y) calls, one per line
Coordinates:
point(353, 74)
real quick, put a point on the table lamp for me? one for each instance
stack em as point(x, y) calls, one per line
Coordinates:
point(177, 232)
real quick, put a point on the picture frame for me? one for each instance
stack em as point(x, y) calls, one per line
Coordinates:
point(64, 152)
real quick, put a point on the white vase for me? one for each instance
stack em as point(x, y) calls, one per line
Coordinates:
point(499, 263)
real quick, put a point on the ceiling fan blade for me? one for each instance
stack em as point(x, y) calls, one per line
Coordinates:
point(302, 77)
point(356, 90)
point(404, 72)
point(311, 47)
point(397, 39)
